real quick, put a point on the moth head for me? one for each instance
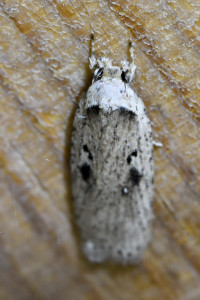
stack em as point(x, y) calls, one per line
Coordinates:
point(105, 69)
point(107, 72)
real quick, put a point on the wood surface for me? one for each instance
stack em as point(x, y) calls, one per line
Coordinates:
point(44, 49)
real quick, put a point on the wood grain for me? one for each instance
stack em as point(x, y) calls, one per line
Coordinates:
point(44, 49)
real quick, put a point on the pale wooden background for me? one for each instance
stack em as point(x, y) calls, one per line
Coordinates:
point(44, 48)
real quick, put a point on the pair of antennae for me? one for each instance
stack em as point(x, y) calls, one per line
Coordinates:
point(127, 67)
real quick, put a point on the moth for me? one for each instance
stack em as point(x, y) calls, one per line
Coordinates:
point(112, 165)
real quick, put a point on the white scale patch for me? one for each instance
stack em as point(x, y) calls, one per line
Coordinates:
point(112, 166)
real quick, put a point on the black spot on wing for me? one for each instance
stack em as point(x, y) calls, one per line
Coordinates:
point(93, 110)
point(129, 159)
point(85, 148)
point(126, 112)
point(85, 171)
point(134, 153)
point(135, 176)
